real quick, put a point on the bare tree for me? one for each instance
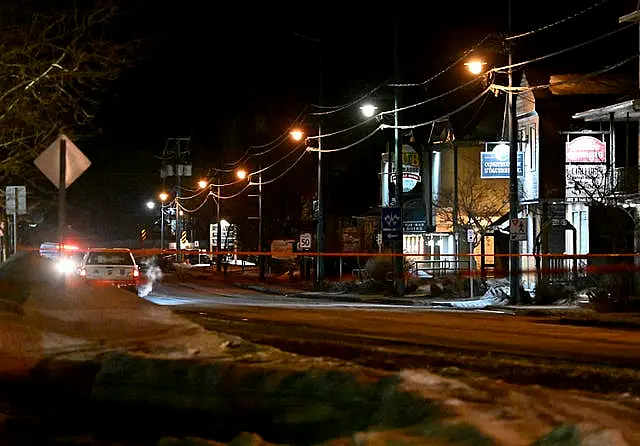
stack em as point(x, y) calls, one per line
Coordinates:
point(480, 203)
point(53, 67)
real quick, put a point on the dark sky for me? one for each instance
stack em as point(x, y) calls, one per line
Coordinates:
point(206, 68)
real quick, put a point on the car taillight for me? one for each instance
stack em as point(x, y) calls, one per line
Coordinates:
point(83, 272)
point(136, 273)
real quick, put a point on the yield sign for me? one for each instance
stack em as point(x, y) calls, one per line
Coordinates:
point(49, 162)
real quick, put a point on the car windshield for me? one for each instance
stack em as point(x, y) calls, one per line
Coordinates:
point(109, 258)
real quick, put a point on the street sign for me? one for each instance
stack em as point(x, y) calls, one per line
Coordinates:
point(470, 235)
point(49, 162)
point(391, 222)
point(16, 200)
point(518, 229)
point(305, 241)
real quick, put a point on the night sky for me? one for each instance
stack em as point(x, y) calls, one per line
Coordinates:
point(209, 73)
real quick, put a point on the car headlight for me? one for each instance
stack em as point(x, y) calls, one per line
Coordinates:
point(66, 266)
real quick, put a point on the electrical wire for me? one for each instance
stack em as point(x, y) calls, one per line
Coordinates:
point(426, 101)
point(519, 90)
point(364, 138)
point(379, 115)
point(464, 55)
point(262, 183)
point(336, 109)
point(276, 162)
point(228, 197)
point(441, 118)
point(286, 155)
point(562, 51)
point(194, 195)
point(559, 22)
point(197, 208)
point(337, 132)
point(278, 141)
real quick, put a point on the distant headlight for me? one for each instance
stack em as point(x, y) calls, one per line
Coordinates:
point(66, 266)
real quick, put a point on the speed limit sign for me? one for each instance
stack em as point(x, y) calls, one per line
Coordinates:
point(305, 241)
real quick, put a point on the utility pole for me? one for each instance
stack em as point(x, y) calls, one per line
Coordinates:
point(178, 168)
point(320, 228)
point(259, 218)
point(219, 233)
point(514, 246)
point(399, 242)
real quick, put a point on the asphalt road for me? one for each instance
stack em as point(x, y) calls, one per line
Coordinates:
point(298, 324)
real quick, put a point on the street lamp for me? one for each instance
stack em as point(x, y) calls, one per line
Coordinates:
point(150, 205)
point(514, 201)
point(202, 184)
point(296, 134)
point(163, 197)
point(475, 66)
point(368, 110)
point(242, 174)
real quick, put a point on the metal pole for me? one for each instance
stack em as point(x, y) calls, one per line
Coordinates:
point(219, 233)
point(456, 209)
point(470, 269)
point(399, 243)
point(178, 186)
point(320, 228)
point(514, 246)
point(15, 229)
point(161, 226)
point(62, 191)
point(262, 259)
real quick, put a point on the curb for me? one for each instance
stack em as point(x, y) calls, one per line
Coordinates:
point(333, 297)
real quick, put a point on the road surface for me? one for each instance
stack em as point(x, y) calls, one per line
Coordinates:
point(395, 337)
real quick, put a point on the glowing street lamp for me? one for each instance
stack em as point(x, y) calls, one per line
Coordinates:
point(202, 184)
point(150, 205)
point(296, 134)
point(475, 66)
point(368, 110)
point(241, 174)
point(163, 197)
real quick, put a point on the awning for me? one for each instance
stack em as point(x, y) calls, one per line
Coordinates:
point(621, 111)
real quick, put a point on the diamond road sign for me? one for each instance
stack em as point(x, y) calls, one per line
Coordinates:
point(391, 222)
point(49, 162)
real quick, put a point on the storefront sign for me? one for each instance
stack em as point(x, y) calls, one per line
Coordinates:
point(586, 149)
point(496, 164)
point(410, 169)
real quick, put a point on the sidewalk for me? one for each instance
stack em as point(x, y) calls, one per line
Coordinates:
point(340, 296)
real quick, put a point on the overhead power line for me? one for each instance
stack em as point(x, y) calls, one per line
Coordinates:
point(460, 59)
point(562, 51)
point(558, 22)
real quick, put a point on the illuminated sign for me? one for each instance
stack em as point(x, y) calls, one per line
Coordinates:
point(586, 149)
point(496, 165)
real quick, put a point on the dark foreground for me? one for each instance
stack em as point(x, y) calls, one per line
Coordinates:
point(549, 351)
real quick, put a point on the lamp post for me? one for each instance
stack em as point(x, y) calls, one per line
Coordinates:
point(298, 135)
point(242, 174)
point(477, 67)
point(163, 197)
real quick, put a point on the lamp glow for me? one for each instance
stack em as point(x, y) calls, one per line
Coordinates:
point(368, 110)
point(475, 66)
point(296, 134)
